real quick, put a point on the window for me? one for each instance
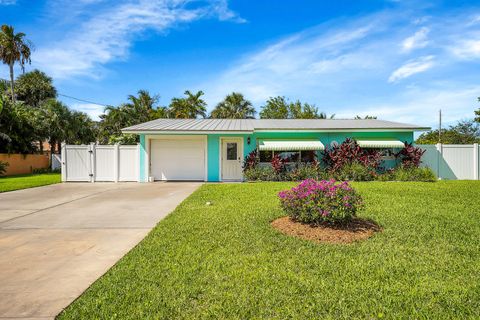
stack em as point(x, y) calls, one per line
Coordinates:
point(231, 151)
point(266, 156)
point(288, 156)
point(308, 156)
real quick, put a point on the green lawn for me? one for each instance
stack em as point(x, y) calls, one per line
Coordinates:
point(225, 261)
point(28, 181)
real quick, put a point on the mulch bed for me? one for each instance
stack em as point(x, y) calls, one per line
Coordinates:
point(355, 230)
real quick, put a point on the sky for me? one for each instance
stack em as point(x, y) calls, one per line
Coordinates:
point(399, 60)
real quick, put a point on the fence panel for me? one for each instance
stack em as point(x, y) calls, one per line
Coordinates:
point(100, 163)
point(128, 163)
point(78, 160)
point(453, 161)
point(56, 162)
point(104, 163)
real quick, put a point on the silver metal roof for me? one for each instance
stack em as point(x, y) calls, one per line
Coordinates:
point(250, 125)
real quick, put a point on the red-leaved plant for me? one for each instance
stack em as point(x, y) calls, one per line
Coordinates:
point(410, 156)
point(349, 152)
point(250, 161)
point(278, 164)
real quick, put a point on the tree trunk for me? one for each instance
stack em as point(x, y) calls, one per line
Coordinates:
point(11, 82)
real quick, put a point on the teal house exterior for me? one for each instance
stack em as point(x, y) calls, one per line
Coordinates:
point(214, 149)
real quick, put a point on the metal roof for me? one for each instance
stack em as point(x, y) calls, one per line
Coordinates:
point(250, 125)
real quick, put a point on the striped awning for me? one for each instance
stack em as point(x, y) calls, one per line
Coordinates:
point(290, 145)
point(380, 143)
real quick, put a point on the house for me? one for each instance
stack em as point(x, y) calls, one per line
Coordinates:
point(214, 149)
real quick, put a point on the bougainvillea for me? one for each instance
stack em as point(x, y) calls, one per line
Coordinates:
point(315, 202)
point(349, 152)
point(410, 156)
point(250, 161)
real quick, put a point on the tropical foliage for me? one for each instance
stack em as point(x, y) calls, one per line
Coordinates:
point(234, 106)
point(14, 48)
point(316, 202)
point(138, 109)
point(349, 152)
point(190, 107)
point(464, 132)
point(32, 88)
point(410, 156)
point(280, 108)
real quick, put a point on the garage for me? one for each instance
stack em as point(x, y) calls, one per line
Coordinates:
point(179, 158)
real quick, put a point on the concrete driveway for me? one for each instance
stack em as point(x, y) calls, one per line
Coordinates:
point(55, 241)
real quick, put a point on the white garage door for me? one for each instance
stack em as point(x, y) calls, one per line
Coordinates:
point(178, 159)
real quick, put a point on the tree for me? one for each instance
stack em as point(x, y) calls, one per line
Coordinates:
point(465, 132)
point(357, 117)
point(190, 107)
point(234, 106)
point(138, 109)
point(275, 108)
point(34, 87)
point(14, 48)
point(17, 129)
point(477, 113)
point(280, 108)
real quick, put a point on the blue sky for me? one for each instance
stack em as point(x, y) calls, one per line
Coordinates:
point(399, 60)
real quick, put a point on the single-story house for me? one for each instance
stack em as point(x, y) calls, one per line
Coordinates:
point(214, 149)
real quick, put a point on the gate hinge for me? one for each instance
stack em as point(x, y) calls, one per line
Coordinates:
point(91, 174)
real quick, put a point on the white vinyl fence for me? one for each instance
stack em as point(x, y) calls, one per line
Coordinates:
point(453, 161)
point(56, 162)
point(100, 163)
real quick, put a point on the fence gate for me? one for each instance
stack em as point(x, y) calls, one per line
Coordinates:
point(100, 163)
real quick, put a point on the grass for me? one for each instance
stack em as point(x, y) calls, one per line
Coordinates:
point(12, 183)
point(224, 261)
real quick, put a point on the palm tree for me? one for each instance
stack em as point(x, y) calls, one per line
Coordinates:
point(190, 107)
point(14, 48)
point(234, 106)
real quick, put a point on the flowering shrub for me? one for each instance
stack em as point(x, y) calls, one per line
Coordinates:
point(410, 155)
point(315, 202)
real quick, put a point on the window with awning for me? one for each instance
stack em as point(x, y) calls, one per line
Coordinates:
point(290, 145)
point(380, 143)
point(289, 150)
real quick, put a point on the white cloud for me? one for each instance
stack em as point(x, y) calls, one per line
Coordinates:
point(420, 105)
point(93, 110)
point(412, 67)
point(467, 49)
point(417, 40)
point(108, 35)
point(7, 2)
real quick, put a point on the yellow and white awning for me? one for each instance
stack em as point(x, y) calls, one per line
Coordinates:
point(290, 145)
point(380, 143)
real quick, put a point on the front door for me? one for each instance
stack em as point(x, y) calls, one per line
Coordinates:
point(232, 150)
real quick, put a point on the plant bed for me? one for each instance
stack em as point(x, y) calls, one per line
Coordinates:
point(356, 229)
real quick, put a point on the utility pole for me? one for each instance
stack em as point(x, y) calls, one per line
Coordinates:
point(440, 126)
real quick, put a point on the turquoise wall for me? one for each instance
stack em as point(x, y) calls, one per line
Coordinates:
point(213, 145)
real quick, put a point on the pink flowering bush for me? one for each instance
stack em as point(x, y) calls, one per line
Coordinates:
point(315, 202)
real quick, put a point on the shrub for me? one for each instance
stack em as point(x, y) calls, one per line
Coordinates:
point(355, 171)
point(349, 152)
point(404, 173)
point(303, 171)
point(278, 164)
point(316, 202)
point(410, 156)
point(261, 174)
point(3, 167)
point(251, 160)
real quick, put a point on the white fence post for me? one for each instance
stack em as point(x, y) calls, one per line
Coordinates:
point(439, 162)
point(116, 164)
point(476, 164)
point(63, 163)
point(91, 150)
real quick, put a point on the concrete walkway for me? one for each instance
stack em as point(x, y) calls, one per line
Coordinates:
point(55, 241)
